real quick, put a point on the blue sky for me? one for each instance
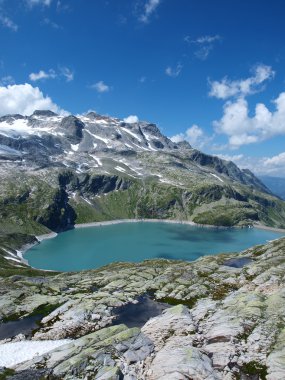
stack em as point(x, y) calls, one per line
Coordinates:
point(209, 71)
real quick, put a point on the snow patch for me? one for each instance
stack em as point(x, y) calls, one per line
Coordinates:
point(12, 258)
point(149, 139)
point(214, 175)
point(101, 121)
point(132, 134)
point(20, 127)
point(97, 159)
point(106, 141)
point(120, 169)
point(141, 147)
point(18, 352)
point(87, 201)
point(75, 147)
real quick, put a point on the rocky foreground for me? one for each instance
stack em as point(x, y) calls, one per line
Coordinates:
point(224, 319)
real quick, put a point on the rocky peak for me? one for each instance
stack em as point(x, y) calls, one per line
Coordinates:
point(184, 145)
point(73, 126)
point(45, 113)
point(11, 118)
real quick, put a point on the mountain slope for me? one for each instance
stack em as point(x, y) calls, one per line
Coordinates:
point(60, 170)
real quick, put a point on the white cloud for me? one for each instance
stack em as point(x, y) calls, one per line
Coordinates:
point(242, 129)
point(8, 79)
point(174, 72)
point(131, 119)
point(100, 87)
point(228, 157)
point(32, 3)
point(42, 75)
point(67, 73)
point(203, 52)
point(47, 21)
point(178, 138)
point(62, 6)
point(194, 135)
point(51, 74)
point(202, 39)
point(205, 45)
point(208, 39)
point(227, 88)
point(149, 7)
point(8, 23)
point(278, 160)
point(24, 99)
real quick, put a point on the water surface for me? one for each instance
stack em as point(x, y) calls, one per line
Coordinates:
point(92, 247)
point(137, 314)
point(21, 326)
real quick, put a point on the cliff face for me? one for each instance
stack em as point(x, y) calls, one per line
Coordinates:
point(221, 317)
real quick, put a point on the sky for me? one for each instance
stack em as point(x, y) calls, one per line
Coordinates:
point(211, 72)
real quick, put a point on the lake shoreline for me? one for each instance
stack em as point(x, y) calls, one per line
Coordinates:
point(267, 228)
point(168, 221)
point(51, 235)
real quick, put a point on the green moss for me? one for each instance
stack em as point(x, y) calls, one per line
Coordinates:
point(5, 373)
point(45, 309)
point(190, 302)
point(12, 317)
point(222, 290)
point(254, 368)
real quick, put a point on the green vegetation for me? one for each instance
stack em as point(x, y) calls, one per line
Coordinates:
point(254, 368)
point(5, 373)
point(175, 301)
point(45, 309)
point(220, 291)
point(230, 215)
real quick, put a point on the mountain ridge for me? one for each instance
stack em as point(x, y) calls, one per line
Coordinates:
point(60, 170)
point(18, 134)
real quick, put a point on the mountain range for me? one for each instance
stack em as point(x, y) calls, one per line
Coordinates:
point(60, 170)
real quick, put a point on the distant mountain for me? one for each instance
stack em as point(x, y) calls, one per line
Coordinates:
point(275, 184)
point(60, 170)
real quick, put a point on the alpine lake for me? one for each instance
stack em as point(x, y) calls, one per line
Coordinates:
point(93, 247)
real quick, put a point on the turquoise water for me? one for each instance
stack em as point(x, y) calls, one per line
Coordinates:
point(92, 247)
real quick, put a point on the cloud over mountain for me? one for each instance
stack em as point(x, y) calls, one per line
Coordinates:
point(24, 99)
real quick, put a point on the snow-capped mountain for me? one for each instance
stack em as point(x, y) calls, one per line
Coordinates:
point(80, 142)
point(59, 170)
point(92, 141)
point(84, 133)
